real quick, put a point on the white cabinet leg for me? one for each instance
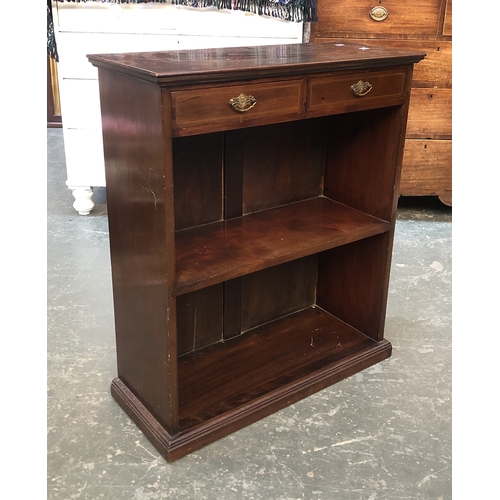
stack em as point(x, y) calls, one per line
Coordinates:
point(83, 199)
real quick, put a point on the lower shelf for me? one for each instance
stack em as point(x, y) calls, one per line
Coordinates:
point(227, 375)
point(225, 387)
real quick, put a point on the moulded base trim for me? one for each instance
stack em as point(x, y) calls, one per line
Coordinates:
point(173, 447)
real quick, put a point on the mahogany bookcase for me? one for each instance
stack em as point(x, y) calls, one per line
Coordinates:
point(252, 196)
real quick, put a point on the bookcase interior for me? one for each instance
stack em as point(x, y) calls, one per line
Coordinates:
point(282, 234)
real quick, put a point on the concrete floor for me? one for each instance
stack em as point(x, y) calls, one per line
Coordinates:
point(384, 433)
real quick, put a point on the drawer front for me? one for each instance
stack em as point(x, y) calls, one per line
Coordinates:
point(430, 114)
point(333, 93)
point(433, 71)
point(192, 110)
point(427, 169)
point(392, 17)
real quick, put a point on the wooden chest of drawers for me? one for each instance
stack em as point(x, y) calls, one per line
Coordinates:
point(408, 24)
point(251, 204)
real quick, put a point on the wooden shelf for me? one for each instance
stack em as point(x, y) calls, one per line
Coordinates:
point(220, 251)
point(231, 374)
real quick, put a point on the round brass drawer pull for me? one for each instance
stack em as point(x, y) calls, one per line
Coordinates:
point(379, 13)
point(242, 103)
point(361, 88)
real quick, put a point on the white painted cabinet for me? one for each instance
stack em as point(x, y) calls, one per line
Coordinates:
point(95, 27)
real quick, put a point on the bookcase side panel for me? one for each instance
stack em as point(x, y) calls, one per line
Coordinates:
point(140, 215)
point(362, 159)
point(351, 284)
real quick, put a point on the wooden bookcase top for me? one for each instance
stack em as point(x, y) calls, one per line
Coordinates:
point(221, 64)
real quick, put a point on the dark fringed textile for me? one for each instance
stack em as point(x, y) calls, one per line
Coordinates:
point(51, 39)
point(288, 10)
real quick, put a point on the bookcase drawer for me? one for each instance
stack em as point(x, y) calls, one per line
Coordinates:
point(355, 91)
point(235, 105)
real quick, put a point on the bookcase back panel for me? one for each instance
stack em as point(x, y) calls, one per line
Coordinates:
point(229, 309)
point(280, 290)
point(282, 163)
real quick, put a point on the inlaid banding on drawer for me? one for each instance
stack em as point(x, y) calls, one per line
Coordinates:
point(332, 93)
point(192, 109)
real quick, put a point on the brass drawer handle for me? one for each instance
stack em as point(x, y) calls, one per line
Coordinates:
point(242, 103)
point(379, 13)
point(361, 88)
